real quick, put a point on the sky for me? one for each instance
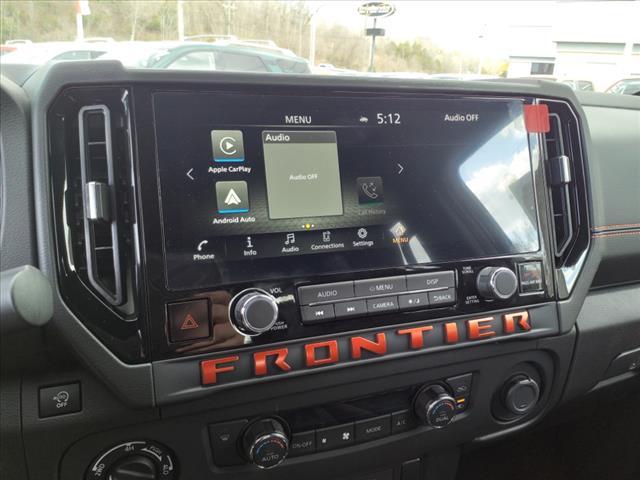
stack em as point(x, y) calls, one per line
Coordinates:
point(457, 25)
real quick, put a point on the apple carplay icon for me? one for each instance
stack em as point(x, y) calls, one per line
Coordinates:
point(228, 146)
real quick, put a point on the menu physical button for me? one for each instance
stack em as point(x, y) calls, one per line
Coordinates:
point(410, 301)
point(334, 437)
point(373, 428)
point(442, 297)
point(317, 314)
point(429, 281)
point(384, 304)
point(350, 309)
point(379, 286)
point(325, 292)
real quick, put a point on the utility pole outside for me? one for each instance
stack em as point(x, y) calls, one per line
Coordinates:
point(180, 7)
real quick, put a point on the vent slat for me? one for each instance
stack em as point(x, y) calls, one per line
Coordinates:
point(98, 197)
point(559, 167)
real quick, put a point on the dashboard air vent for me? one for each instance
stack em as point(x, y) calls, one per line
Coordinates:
point(98, 194)
point(565, 176)
point(93, 191)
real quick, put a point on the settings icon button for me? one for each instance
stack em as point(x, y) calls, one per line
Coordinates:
point(362, 233)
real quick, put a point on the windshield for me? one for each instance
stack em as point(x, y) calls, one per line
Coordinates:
point(588, 46)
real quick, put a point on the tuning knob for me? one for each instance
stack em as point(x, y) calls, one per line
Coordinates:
point(520, 394)
point(497, 282)
point(434, 406)
point(255, 312)
point(265, 443)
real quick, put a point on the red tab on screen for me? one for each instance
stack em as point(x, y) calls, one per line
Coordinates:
point(536, 118)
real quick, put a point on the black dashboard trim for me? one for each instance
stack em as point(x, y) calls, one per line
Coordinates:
point(134, 383)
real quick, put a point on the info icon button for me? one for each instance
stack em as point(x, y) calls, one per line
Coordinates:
point(228, 146)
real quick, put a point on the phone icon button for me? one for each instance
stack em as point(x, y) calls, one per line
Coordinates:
point(370, 190)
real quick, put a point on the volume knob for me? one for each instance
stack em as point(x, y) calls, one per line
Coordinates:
point(497, 282)
point(255, 312)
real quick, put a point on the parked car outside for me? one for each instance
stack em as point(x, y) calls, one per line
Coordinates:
point(23, 60)
point(580, 85)
point(207, 56)
point(626, 86)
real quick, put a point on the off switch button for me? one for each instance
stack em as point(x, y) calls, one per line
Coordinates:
point(60, 400)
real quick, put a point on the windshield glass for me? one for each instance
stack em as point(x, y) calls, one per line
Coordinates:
point(588, 46)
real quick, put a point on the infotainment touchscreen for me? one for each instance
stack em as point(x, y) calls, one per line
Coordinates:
point(272, 186)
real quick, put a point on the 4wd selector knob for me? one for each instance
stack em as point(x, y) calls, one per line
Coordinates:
point(134, 467)
point(265, 443)
point(434, 406)
point(254, 312)
point(497, 282)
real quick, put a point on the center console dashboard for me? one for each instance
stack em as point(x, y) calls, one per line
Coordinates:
point(289, 267)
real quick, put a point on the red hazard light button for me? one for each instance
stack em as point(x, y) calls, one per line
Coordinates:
point(188, 320)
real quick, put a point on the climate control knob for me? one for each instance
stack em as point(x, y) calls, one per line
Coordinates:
point(434, 406)
point(497, 282)
point(266, 443)
point(254, 312)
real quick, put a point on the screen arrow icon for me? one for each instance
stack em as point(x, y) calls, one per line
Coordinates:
point(400, 168)
point(189, 172)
